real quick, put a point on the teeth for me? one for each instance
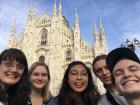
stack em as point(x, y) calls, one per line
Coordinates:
point(79, 83)
point(11, 75)
point(130, 83)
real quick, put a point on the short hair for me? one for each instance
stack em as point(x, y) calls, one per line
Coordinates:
point(97, 58)
point(119, 54)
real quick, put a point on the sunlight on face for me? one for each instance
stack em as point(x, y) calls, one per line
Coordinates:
point(127, 77)
point(78, 78)
point(39, 77)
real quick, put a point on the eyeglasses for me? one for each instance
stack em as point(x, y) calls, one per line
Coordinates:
point(75, 73)
point(10, 65)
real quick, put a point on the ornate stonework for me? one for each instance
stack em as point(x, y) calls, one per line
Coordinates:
point(49, 38)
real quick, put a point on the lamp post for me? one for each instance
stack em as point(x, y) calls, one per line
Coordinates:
point(131, 44)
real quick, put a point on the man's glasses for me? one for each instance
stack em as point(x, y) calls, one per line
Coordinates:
point(11, 65)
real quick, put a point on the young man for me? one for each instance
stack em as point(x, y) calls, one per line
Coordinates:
point(124, 65)
point(103, 73)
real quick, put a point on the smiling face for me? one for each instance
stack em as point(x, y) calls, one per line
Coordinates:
point(10, 72)
point(127, 77)
point(39, 77)
point(102, 71)
point(78, 78)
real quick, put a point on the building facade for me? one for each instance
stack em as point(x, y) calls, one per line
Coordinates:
point(50, 39)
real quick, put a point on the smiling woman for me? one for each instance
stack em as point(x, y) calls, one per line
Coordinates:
point(13, 77)
point(77, 87)
point(39, 80)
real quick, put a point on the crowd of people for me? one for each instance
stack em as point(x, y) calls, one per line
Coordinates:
point(119, 71)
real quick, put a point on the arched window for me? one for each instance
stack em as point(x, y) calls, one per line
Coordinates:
point(68, 55)
point(44, 34)
point(42, 59)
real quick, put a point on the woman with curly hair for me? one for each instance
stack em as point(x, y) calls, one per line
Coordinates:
point(77, 87)
point(13, 77)
point(39, 80)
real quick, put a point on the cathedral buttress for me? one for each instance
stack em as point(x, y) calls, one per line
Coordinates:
point(60, 9)
point(54, 9)
point(12, 35)
point(76, 38)
point(102, 38)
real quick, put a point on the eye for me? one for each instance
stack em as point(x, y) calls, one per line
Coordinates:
point(84, 73)
point(35, 74)
point(73, 73)
point(20, 67)
point(44, 74)
point(99, 70)
point(8, 64)
point(118, 72)
point(133, 68)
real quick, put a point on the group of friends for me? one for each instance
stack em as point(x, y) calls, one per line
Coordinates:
point(119, 72)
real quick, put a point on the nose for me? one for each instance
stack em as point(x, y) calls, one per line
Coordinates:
point(104, 72)
point(79, 76)
point(40, 77)
point(127, 73)
point(14, 69)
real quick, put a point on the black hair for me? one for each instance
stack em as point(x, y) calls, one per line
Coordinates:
point(18, 91)
point(66, 95)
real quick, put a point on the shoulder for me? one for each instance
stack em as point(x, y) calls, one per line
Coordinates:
point(26, 101)
point(53, 101)
point(103, 100)
point(111, 98)
point(1, 103)
point(120, 99)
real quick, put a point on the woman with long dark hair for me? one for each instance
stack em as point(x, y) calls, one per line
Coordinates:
point(77, 87)
point(13, 77)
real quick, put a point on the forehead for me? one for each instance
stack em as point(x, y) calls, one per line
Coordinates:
point(78, 67)
point(40, 68)
point(124, 64)
point(100, 63)
point(14, 59)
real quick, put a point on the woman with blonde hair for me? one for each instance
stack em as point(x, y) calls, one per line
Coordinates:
point(39, 79)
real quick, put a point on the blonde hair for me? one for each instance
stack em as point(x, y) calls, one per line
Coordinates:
point(46, 94)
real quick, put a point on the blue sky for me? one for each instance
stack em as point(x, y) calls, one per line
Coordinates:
point(120, 18)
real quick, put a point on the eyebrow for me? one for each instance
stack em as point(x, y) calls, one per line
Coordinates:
point(77, 70)
point(119, 69)
point(133, 66)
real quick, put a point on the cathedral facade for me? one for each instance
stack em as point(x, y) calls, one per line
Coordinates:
point(50, 39)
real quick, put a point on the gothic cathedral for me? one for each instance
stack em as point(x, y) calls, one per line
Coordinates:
point(50, 39)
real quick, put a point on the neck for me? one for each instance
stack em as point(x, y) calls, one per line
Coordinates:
point(78, 97)
point(4, 87)
point(36, 93)
point(110, 88)
point(133, 101)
